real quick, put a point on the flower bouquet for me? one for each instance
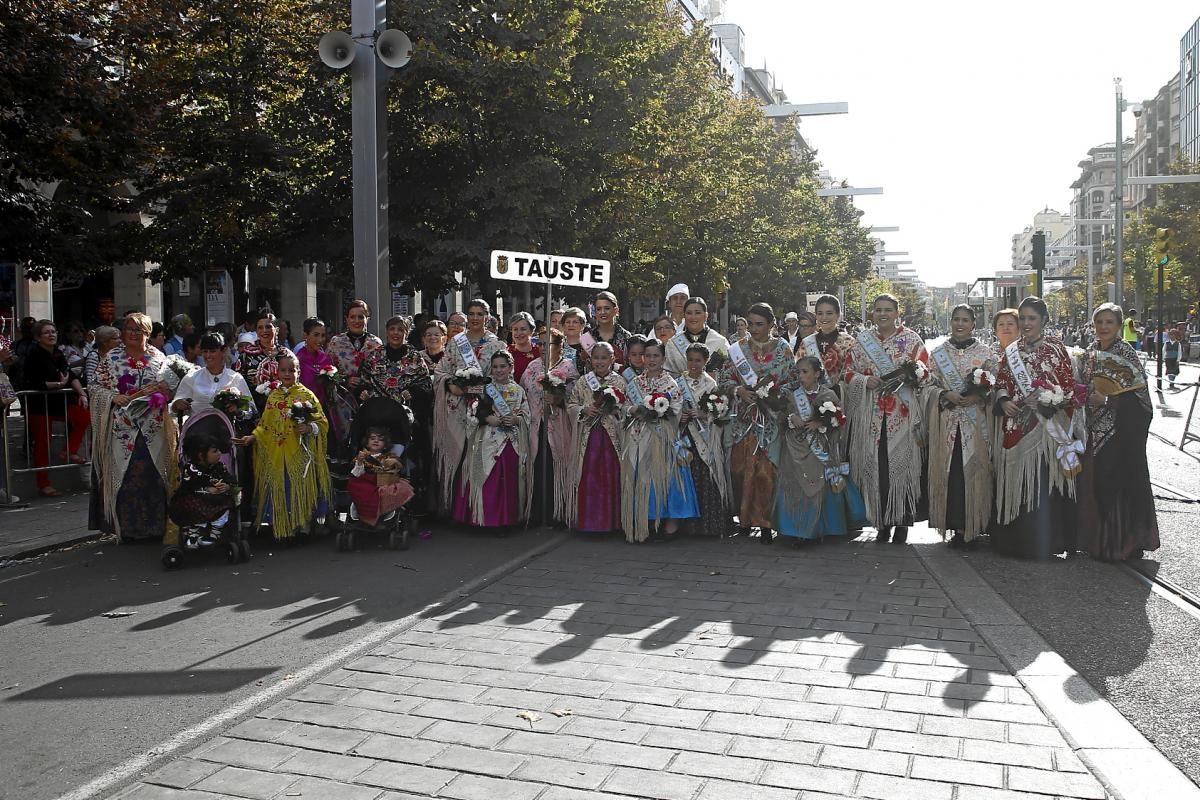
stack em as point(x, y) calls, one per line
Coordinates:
point(716, 406)
point(768, 394)
point(331, 374)
point(655, 406)
point(910, 373)
point(555, 387)
point(608, 399)
point(302, 411)
point(266, 387)
point(178, 367)
point(231, 402)
point(469, 377)
point(829, 416)
point(1049, 398)
point(980, 382)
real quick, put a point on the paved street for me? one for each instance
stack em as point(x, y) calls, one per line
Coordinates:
point(196, 641)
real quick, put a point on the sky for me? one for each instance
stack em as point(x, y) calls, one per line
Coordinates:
point(971, 116)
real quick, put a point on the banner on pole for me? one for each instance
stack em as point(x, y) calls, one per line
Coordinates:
point(591, 273)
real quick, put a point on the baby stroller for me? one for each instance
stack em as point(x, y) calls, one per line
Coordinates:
point(205, 522)
point(397, 522)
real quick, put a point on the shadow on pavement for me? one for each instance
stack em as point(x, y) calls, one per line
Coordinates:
point(144, 684)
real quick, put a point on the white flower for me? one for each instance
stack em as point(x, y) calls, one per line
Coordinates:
point(920, 370)
point(661, 405)
point(233, 390)
point(263, 388)
point(828, 407)
point(763, 391)
point(555, 380)
point(468, 372)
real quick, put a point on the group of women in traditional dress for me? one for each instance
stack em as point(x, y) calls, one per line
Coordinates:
point(806, 437)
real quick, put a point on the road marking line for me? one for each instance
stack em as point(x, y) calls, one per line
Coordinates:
point(144, 761)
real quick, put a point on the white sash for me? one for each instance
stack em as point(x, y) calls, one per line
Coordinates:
point(632, 391)
point(744, 369)
point(688, 397)
point(941, 357)
point(802, 404)
point(466, 350)
point(1012, 354)
point(592, 381)
point(811, 347)
point(882, 361)
point(833, 474)
point(681, 343)
point(502, 406)
point(569, 353)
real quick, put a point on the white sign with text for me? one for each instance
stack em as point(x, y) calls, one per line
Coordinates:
point(591, 273)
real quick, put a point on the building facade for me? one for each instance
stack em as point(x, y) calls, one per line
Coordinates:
point(1053, 224)
point(1189, 93)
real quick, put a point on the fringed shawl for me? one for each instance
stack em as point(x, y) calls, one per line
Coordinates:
point(612, 424)
point(115, 429)
point(450, 412)
point(279, 451)
point(1121, 367)
point(487, 442)
point(836, 355)
point(774, 359)
point(1025, 445)
point(869, 412)
point(801, 478)
point(716, 458)
point(946, 426)
point(649, 459)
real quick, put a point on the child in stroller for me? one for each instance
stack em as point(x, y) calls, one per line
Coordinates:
point(206, 494)
point(376, 490)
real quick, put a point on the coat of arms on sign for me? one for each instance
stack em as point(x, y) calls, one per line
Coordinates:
point(502, 264)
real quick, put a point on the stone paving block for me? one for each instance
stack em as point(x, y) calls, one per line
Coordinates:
point(938, 706)
point(546, 744)
point(985, 793)
point(611, 730)
point(972, 692)
point(318, 789)
point(847, 697)
point(727, 790)
point(245, 753)
point(956, 771)
point(443, 690)
point(874, 718)
point(406, 778)
point(382, 701)
point(1067, 784)
point(259, 729)
point(706, 701)
point(890, 787)
point(558, 772)
point(453, 710)
point(873, 760)
point(398, 748)
point(877, 683)
point(966, 728)
point(326, 765)
point(315, 737)
point(653, 695)
point(746, 724)
point(775, 750)
point(825, 733)
point(802, 776)
point(315, 713)
point(464, 733)
point(711, 765)
point(1036, 734)
point(656, 784)
point(925, 745)
point(1020, 755)
point(700, 741)
point(563, 793)
point(145, 791)
point(670, 717)
point(479, 787)
point(385, 722)
point(629, 755)
point(246, 783)
point(183, 773)
point(471, 759)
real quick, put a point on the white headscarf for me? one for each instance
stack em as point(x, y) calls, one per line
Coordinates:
point(679, 288)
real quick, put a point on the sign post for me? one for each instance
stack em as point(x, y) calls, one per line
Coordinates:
point(553, 270)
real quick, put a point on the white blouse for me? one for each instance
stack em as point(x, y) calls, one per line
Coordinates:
point(201, 385)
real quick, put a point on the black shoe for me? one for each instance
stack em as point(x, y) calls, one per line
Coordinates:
point(901, 535)
point(883, 535)
point(957, 542)
point(765, 536)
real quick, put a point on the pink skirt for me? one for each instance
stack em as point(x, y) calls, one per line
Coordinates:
point(599, 504)
point(501, 494)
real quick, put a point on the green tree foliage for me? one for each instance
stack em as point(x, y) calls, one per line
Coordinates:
point(1178, 208)
point(70, 128)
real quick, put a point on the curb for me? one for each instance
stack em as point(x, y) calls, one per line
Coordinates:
point(43, 549)
point(1122, 759)
point(127, 772)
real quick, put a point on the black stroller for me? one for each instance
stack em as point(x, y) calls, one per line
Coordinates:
point(203, 521)
point(398, 523)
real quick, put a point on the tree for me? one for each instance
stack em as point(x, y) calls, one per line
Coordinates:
point(71, 132)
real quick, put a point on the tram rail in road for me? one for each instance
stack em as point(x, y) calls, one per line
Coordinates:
point(1183, 598)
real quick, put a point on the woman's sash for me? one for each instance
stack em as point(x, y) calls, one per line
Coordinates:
point(632, 391)
point(466, 350)
point(1012, 354)
point(954, 381)
point(745, 370)
point(700, 441)
point(882, 361)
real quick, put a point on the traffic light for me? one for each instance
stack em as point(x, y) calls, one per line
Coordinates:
point(1162, 245)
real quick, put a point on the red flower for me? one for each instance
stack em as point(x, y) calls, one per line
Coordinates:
point(887, 403)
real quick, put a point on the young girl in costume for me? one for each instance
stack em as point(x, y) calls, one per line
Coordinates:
point(375, 485)
point(206, 492)
point(815, 497)
point(494, 489)
point(597, 403)
point(701, 433)
point(656, 486)
point(291, 476)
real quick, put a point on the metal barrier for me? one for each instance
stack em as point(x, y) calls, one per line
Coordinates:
point(1188, 435)
point(48, 421)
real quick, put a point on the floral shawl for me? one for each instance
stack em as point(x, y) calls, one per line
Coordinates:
point(280, 452)
point(348, 353)
point(836, 354)
point(115, 429)
point(450, 412)
point(774, 358)
point(260, 364)
point(393, 377)
point(1121, 365)
point(713, 434)
point(870, 412)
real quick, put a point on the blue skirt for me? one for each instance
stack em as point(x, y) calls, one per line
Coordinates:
point(681, 498)
point(838, 511)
